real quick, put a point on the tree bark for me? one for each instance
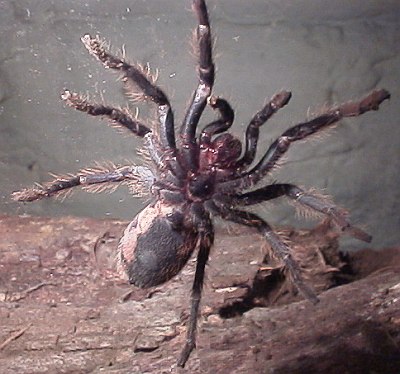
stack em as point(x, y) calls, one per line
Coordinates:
point(64, 310)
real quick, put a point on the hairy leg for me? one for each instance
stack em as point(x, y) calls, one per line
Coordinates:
point(117, 116)
point(206, 72)
point(306, 199)
point(279, 248)
point(94, 179)
point(301, 131)
point(206, 233)
point(277, 102)
point(136, 77)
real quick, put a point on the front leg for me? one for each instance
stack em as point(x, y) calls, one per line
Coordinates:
point(206, 73)
point(223, 123)
point(277, 102)
point(301, 131)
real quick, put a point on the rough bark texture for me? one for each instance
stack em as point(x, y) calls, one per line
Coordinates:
point(63, 310)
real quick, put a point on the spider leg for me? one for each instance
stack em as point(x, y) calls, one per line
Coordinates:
point(206, 233)
point(117, 116)
point(221, 124)
point(207, 150)
point(138, 77)
point(279, 248)
point(93, 180)
point(307, 199)
point(203, 91)
point(301, 131)
point(165, 169)
point(277, 102)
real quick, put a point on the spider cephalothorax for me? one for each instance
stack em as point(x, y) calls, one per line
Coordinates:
point(204, 174)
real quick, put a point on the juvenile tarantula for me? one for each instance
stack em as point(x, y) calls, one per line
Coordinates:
point(198, 176)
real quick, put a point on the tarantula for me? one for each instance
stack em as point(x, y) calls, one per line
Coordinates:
point(197, 175)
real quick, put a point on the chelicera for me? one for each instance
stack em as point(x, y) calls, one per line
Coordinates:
point(194, 175)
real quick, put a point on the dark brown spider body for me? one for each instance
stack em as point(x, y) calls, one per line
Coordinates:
point(197, 175)
point(200, 186)
point(221, 153)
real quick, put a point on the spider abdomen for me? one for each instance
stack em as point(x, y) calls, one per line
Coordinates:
point(156, 245)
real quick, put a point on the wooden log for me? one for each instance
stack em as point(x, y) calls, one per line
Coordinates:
point(64, 310)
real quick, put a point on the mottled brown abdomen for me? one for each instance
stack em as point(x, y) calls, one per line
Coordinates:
point(156, 245)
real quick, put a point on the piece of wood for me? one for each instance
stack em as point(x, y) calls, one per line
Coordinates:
point(64, 310)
